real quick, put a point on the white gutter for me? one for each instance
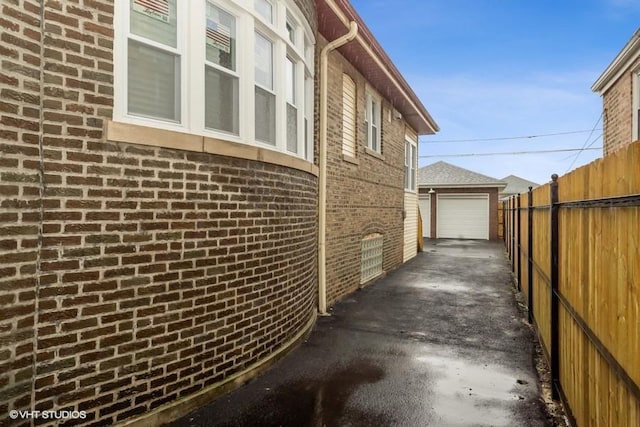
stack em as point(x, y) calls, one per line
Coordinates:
point(322, 190)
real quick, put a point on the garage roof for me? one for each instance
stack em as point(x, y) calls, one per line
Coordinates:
point(443, 174)
point(517, 185)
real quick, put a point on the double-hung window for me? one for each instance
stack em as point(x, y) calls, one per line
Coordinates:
point(236, 70)
point(373, 114)
point(221, 83)
point(292, 109)
point(155, 61)
point(265, 96)
point(410, 164)
point(294, 86)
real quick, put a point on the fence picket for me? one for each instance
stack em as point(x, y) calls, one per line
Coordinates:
point(583, 292)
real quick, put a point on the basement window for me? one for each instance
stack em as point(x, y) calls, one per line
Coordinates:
point(371, 263)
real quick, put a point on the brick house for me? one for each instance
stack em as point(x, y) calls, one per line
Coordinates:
point(159, 194)
point(456, 203)
point(619, 87)
point(373, 123)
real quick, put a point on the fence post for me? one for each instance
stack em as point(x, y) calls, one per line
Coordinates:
point(507, 218)
point(519, 245)
point(555, 355)
point(509, 231)
point(530, 253)
point(513, 234)
point(504, 222)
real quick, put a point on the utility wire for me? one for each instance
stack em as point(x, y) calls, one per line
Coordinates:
point(510, 153)
point(585, 143)
point(507, 138)
point(588, 146)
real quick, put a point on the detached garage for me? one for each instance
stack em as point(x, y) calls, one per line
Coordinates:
point(457, 203)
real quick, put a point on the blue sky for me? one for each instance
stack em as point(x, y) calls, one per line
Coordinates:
point(505, 68)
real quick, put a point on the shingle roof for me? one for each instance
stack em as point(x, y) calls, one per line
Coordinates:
point(517, 185)
point(443, 174)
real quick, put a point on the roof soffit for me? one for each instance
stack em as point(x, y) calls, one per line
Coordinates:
point(619, 65)
point(368, 57)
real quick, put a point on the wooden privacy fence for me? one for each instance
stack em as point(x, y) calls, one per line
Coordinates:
point(574, 245)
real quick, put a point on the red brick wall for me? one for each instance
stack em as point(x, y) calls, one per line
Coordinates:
point(618, 104)
point(362, 198)
point(130, 276)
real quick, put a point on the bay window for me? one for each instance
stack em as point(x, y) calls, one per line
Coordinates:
point(264, 8)
point(236, 70)
point(221, 84)
point(292, 110)
point(265, 97)
point(154, 61)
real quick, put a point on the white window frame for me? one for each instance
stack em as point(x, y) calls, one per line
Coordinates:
point(191, 47)
point(410, 164)
point(373, 119)
point(122, 35)
point(308, 140)
point(308, 50)
point(276, 88)
point(241, 64)
point(273, 11)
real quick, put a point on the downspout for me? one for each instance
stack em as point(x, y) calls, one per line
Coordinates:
point(322, 190)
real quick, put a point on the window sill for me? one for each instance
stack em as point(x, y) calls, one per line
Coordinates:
point(349, 159)
point(373, 153)
point(143, 135)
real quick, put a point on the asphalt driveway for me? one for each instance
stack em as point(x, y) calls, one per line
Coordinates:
point(437, 342)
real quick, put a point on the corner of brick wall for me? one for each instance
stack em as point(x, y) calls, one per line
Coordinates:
point(617, 105)
point(363, 198)
point(130, 276)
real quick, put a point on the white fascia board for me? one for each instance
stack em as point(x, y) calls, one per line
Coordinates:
point(498, 185)
point(619, 66)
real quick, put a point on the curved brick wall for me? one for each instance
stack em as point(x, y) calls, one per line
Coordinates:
point(130, 275)
point(161, 272)
point(308, 8)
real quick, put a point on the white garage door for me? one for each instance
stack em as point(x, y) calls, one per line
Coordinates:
point(425, 213)
point(463, 216)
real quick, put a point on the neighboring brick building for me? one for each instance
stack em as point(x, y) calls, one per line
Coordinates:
point(619, 86)
point(159, 196)
point(373, 122)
